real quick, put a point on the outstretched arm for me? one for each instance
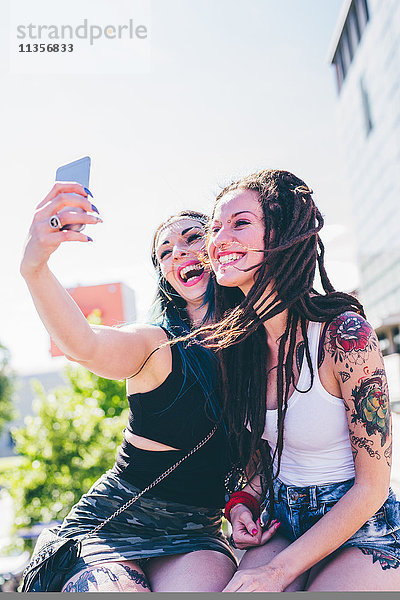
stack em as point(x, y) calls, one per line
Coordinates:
point(358, 367)
point(115, 353)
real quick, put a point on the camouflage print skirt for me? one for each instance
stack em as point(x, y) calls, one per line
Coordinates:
point(150, 527)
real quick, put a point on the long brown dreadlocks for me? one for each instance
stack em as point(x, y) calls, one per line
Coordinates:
point(283, 281)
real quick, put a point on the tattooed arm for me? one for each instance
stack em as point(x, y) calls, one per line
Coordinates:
point(353, 357)
point(358, 367)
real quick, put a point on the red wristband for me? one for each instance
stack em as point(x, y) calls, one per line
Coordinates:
point(242, 498)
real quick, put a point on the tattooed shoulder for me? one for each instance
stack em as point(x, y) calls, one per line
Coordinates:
point(350, 338)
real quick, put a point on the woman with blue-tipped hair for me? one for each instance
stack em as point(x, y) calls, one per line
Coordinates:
point(170, 539)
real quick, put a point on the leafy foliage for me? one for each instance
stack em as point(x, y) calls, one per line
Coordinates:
point(69, 442)
point(6, 388)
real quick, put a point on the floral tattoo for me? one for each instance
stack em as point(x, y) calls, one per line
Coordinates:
point(350, 339)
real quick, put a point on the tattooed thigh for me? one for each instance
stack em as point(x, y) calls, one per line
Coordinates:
point(109, 577)
point(385, 560)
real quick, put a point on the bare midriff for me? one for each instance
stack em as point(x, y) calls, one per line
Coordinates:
point(146, 444)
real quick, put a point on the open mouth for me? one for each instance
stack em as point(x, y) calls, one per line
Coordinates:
point(191, 273)
point(229, 258)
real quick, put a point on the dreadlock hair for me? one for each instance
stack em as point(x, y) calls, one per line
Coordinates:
point(283, 281)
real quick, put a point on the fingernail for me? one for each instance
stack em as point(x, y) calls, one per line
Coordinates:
point(254, 531)
point(259, 521)
point(277, 524)
point(89, 239)
point(89, 193)
point(94, 209)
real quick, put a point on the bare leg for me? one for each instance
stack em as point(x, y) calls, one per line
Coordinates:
point(262, 555)
point(350, 570)
point(199, 571)
point(124, 576)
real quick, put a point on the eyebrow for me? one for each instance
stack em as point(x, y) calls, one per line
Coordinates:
point(184, 232)
point(241, 212)
point(189, 228)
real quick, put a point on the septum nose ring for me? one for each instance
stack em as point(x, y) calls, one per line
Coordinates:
point(222, 245)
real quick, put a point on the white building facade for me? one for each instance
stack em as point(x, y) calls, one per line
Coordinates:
point(366, 55)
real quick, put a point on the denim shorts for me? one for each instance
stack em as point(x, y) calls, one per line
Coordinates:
point(299, 508)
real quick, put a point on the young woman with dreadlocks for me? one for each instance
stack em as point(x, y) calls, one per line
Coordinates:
point(170, 539)
point(303, 372)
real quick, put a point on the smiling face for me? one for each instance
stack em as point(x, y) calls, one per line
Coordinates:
point(180, 246)
point(236, 240)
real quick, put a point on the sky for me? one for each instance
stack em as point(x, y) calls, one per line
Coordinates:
point(222, 88)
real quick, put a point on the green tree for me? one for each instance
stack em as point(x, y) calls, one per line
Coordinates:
point(69, 442)
point(6, 388)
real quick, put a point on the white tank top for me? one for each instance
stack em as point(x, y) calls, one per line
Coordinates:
point(316, 443)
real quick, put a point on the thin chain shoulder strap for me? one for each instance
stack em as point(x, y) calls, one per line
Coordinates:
point(151, 485)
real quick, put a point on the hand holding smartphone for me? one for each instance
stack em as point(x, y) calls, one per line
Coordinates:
point(78, 171)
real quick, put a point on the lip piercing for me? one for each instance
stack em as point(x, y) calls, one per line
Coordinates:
point(55, 222)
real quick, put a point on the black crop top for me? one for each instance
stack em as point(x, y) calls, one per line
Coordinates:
point(172, 414)
point(175, 414)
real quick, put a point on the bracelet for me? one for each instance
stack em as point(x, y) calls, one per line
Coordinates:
point(242, 498)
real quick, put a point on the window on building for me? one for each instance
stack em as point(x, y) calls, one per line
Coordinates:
point(356, 21)
point(354, 27)
point(340, 72)
point(340, 66)
point(352, 46)
point(346, 49)
point(362, 13)
point(366, 107)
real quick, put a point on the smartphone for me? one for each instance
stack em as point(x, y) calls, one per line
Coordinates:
point(78, 171)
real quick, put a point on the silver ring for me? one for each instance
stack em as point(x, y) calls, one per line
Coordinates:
point(55, 222)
